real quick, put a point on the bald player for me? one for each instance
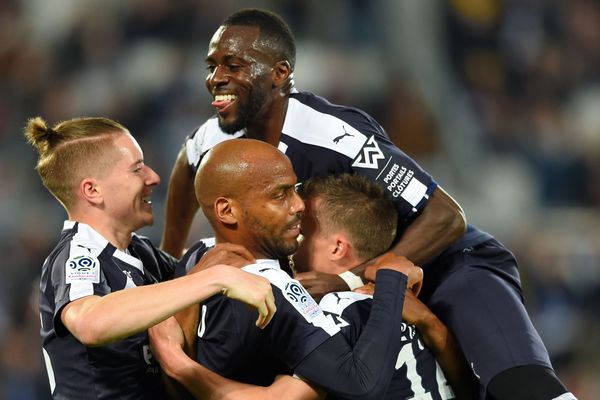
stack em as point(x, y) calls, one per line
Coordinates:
point(247, 191)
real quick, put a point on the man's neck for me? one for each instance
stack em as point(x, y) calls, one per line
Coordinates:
point(118, 237)
point(268, 126)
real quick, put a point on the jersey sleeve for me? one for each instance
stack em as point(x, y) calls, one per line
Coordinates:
point(299, 326)
point(75, 273)
point(380, 160)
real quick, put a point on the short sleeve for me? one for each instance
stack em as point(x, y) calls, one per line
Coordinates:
point(74, 275)
point(408, 185)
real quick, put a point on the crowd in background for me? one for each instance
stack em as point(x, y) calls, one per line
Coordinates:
point(498, 99)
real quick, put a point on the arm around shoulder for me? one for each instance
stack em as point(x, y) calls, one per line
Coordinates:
point(100, 320)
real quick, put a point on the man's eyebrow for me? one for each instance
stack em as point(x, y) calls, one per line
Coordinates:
point(281, 187)
point(226, 58)
point(135, 163)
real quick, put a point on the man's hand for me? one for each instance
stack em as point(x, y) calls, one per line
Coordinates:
point(319, 284)
point(224, 253)
point(251, 289)
point(415, 312)
point(398, 263)
point(368, 288)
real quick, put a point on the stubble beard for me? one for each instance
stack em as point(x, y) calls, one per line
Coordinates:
point(271, 243)
point(245, 113)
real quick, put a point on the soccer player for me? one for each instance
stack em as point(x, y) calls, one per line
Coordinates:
point(472, 281)
point(349, 219)
point(98, 289)
point(248, 195)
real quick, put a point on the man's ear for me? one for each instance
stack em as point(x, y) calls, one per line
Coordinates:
point(90, 191)
point(282, 72)
point(340, 247)
point(225, 210)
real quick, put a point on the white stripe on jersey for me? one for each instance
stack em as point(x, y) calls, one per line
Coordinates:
point(338, 301)
point(294, 293)
point(205, 137)
point(49, 370)
point(444, 388)
point(566, 396)
point(129, 259)
point(309, 126)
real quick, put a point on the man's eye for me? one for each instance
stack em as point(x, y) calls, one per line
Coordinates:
point(210, 68)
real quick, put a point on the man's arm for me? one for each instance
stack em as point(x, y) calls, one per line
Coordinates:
point(99, 320)
point(440, 224)
point(361, 371)
point(166, 341)
point(181, 206)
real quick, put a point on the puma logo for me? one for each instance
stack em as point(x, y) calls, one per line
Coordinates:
point(340, 298)
point(337, 139)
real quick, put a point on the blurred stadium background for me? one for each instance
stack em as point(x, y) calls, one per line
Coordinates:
point(498, 99)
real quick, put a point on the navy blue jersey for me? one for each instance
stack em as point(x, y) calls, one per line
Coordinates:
point(82, 264)
point(417, 375)
point(229, 343)
point(300, 337)
point(321, 138)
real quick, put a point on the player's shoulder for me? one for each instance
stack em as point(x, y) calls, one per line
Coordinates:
point(337, 302)
point(347, 114)
point(78, 253)
point(205, 137)
point(83, 238)
point(143, 243)
point(193, 255)
point(270, 270)
point(313, 120)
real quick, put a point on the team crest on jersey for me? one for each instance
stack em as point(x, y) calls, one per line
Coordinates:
point(83, 268)
point(302, 301)
point(369, 155)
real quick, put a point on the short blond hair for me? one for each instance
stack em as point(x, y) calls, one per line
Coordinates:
point(71, 151)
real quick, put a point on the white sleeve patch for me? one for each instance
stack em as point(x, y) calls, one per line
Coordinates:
point(414, 192)
point(82, 268)
point(301, 300)
point(296, 295)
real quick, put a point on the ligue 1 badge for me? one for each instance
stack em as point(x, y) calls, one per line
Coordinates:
point(301, 300)
point(83, 268)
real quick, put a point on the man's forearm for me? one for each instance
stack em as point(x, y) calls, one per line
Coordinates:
point(203, 383)
point(441, 223)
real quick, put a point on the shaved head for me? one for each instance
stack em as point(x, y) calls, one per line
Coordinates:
point(233, 167)
point(246, 190)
